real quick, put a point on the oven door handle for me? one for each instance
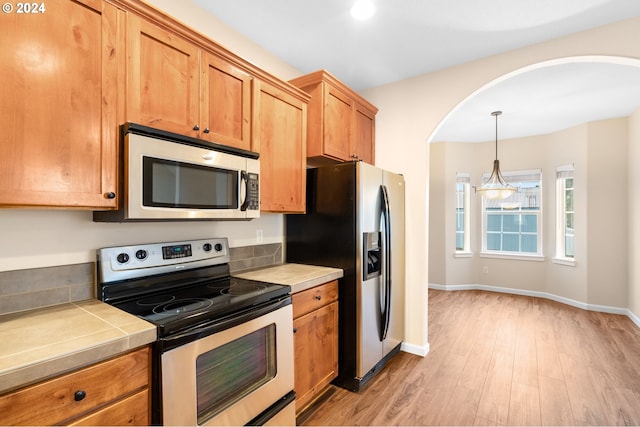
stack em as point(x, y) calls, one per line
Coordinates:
point(214, 326)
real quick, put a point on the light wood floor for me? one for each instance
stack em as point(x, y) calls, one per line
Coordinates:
point(499, 359)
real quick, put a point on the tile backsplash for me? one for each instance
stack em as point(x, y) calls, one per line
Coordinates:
point(22, 290)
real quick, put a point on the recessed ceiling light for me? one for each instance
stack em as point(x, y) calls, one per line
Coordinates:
point(363, 9)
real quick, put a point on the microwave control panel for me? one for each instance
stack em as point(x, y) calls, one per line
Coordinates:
point(252, 201)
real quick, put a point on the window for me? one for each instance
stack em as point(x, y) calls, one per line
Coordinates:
point(512, 226)
point(463, 241)
point(565, 215)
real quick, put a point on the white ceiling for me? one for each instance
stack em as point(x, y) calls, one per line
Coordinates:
point(405, 38)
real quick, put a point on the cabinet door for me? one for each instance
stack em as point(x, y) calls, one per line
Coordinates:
point(225, 115)
point(162, 78)
point(315, 352)
point(58, 105)
point(280, 127)
point(338, 124)
point(364, 135)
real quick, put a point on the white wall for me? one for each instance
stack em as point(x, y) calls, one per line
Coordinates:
point(634, 213)
point(598, 151)
point(411, 110)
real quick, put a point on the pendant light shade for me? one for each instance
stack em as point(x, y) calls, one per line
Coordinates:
point(496, 187)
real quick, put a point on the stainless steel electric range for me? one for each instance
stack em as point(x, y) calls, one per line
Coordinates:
point(224, 354)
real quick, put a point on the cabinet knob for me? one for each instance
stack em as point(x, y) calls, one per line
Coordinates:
point(206, 130)
point(196, 127)
point(110, 195)
point(318, 297)
point(295, 330)
point(79, 395)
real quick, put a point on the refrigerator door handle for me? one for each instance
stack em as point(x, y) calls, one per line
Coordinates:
point(386, 247)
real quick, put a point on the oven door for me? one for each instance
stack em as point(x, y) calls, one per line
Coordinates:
point(232, 376)
point(169, 180)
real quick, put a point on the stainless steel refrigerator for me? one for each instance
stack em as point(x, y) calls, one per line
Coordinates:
point(355, 221)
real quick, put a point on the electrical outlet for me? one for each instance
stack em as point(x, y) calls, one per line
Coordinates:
point(259, 236)
point(485, 270)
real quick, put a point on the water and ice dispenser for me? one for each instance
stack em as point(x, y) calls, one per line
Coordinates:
point(372, 255)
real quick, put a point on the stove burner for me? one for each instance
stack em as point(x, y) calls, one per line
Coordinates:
point(243, 289)
point(183, 306)
point(155, 300)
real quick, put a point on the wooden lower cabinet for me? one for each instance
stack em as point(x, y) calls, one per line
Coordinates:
point(315, 322)
point(113, 392)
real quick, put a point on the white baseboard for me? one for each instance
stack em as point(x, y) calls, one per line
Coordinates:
point(415, 349)
point(591, 307)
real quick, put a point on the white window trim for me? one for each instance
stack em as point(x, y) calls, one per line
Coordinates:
point(511, 255)
point(465, 178)
point(562, 171)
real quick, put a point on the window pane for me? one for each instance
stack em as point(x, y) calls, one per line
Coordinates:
point(494, 222)
point(493, 242)
point(459, 241)
point(529, 223)
point(510, 223)
point(510, 243)
point(460, 221)
point(529, 243)
point(568, 246)
point(569, 223)
point(568, 200)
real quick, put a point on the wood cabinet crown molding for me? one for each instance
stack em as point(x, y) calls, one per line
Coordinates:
point(167, 22)
point(320, 76)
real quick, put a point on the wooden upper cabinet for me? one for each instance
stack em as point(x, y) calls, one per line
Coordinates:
point(341, 124)
point(225, 115)
point(162, 78)
point(176, 86)
point(280, 119)
point(338, 123)
point(58, 108)
point(363, 141)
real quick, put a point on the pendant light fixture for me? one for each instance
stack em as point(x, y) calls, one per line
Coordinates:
point(496, 187)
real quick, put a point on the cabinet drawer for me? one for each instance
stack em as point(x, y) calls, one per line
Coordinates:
point(54, 401)
point(131, 411)
point(307, 301)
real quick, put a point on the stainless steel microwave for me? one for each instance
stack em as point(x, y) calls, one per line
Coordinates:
point(170, 177)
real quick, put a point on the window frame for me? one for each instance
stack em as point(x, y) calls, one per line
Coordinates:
point(463, 179)
point(564, 173)
point(514, 178)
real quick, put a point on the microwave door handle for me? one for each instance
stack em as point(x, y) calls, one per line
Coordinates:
point(245, 203)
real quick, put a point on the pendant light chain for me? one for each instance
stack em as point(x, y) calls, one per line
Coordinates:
point(496, 114)
point(496, 187)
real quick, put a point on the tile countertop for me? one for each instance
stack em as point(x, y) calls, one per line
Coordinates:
point(42, 343)
point(299, 276)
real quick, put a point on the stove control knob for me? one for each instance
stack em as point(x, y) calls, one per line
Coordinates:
point(141, 254)
point(218, 247)
point(207, 247)
point(123, 258)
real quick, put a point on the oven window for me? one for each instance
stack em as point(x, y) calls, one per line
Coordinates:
point(173, 184)
point(228, 373)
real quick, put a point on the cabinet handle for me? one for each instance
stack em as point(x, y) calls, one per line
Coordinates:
point(79, 395)
point(206, 130)
point(110, 195)
point(196, 127)
point(295, 330)
point(318, 297)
